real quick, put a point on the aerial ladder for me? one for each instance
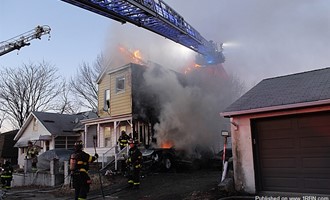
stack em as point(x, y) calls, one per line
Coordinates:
point(160, 18)
point(16, 43)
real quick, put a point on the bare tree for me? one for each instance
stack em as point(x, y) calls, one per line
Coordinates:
point(2, 118)
point(32, 87)
point(65, 103)
point(84, 85)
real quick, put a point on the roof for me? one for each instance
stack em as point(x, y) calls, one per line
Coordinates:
point(289, 91)
point(58, 124)
point(107, 71)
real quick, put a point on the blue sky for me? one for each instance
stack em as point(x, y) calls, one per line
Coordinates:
point(271, 37)
point(76, 35)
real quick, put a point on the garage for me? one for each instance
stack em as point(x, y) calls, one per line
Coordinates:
point(280, 132)
point(292, 153)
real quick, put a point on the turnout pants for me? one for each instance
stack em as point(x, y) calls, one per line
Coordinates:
point(134, 177)
point(81, 184)
point(6, 182)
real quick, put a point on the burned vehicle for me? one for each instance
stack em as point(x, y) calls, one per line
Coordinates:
point(168, 159)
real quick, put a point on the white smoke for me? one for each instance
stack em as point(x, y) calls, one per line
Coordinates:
point(189, 116)
point(273, 37)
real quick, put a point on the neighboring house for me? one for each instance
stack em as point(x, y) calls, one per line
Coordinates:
point(7, 150)
point(281, 134)
point(50, 131)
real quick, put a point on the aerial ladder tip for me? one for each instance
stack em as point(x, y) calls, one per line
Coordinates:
point(17, 42)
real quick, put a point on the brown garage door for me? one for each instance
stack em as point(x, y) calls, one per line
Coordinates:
point(293, 153)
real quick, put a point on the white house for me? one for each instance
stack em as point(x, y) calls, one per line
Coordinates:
point(50, 131)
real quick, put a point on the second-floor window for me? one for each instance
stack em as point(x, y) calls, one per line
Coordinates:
point(120, 84)
point(107, 99)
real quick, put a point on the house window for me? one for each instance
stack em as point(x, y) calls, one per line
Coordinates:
point(65, 142)
point(120, 84)
point(35, 124)
point(106, 99)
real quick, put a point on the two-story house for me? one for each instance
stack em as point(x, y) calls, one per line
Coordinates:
point(123, 104)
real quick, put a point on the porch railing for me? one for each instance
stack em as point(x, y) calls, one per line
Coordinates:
point(112, 151)
point(109, 155)
point(120, 155)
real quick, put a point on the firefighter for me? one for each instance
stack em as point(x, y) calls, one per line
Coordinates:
point(32, 154)
point(7, 175)
point(79, 166)
point(134, 163)
point(123, 140)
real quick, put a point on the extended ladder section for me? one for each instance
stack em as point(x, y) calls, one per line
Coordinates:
point(158, 17)
point(22, 40)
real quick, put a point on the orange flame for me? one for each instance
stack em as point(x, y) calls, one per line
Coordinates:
point(166, 144)
point(137, 54)
point(133, 56)
point(190, 68)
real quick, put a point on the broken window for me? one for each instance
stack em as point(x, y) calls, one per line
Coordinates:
point(120, 84)
point(106, 99)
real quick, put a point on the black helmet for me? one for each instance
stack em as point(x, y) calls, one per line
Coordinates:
point(78, 145)
point(123, 132)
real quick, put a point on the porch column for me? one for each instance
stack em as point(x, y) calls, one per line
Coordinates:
point(116, 148)
point(84, 135)
point(101, 136)
point(98, 135)
point(115, 131)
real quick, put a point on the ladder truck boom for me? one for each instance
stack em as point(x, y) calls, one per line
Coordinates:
point(158, 17)
point(16, 43)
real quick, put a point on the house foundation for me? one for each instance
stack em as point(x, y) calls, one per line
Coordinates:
point(51, 178)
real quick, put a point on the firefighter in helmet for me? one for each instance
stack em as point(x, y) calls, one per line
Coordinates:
point(123, 140)
point(7, 175)
point(134, 163)
point(79, 166)
point(32, 154)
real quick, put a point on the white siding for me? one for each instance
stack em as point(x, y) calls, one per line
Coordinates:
point(31, 134)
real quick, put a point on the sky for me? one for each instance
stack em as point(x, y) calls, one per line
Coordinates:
point(265, 38)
